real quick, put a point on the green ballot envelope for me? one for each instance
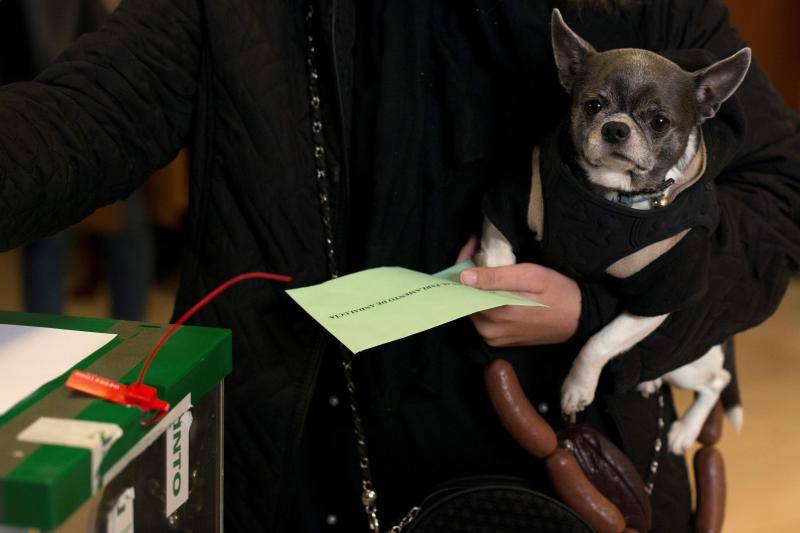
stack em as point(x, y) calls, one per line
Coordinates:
point(381, 305)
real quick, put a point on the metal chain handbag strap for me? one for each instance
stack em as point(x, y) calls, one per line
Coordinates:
point(493, 503)
point(368, 495)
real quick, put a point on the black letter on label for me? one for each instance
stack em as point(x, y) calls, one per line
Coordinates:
point(176, 484)
point(176, 448)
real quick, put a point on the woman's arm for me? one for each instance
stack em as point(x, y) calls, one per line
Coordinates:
point(753, 252)
point(756, 247)
point(113, 108)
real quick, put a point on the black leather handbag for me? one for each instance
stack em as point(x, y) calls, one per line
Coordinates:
point(491, 505)
point(600, 486)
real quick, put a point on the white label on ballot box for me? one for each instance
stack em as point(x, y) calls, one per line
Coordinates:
point(120, 517)
point(97, 437)
point(177, 461)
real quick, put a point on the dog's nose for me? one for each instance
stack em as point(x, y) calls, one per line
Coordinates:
point(615, 132)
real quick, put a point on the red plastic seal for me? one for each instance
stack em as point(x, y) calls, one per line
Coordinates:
point(98, 386)
point(138, 394)
point(135, 395)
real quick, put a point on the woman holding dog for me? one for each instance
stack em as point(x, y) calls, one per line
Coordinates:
point(359, 134)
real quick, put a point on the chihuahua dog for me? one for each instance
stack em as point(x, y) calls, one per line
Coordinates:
point(637, 142)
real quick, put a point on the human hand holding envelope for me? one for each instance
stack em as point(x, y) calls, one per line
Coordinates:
point(381, 305)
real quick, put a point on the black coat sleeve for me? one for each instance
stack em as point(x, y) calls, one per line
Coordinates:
point(756, 246)
point(113, 107)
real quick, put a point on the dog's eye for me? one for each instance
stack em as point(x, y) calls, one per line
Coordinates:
point(592, 107)
point(659, 123)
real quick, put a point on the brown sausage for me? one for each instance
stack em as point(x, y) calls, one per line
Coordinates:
point(581, 495)
point(709, 471)
point(516, 413)
point(712, 428)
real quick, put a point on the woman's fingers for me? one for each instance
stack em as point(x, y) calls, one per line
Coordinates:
point(514, 325)
point(523, 277)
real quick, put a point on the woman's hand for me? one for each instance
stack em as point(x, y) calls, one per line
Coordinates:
point(513, 325)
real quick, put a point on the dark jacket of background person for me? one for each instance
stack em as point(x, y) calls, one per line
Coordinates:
point(460, 94)
point(32, 32)
point(36, 32)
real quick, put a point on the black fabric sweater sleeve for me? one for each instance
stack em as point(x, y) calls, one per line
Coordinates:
point(676, 280)
point(90, 129)
point(599, 306)
point(756, 246)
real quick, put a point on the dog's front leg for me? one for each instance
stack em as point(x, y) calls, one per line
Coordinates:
point(495, 249)
point(620, 335)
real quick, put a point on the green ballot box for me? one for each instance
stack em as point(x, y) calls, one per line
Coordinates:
point(70, 462)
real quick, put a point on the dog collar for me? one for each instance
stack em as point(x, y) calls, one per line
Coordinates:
point(656, 197)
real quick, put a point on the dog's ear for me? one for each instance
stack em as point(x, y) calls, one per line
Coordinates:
point(718, 82)
point(569, 50)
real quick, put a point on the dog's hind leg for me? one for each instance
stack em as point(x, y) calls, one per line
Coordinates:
point(707, 378)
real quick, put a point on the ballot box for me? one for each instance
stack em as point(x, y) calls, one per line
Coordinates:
point(70, 462)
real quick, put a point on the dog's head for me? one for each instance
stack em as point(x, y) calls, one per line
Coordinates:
point(632, 110)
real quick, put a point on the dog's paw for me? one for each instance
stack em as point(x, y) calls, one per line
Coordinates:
point(648, 388)
point(577, 393)
point(682, 436)
point(480, 259)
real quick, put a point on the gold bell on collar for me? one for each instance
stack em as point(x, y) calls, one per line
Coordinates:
point(661, 201)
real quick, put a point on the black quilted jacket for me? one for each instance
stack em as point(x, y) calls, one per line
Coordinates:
point(229, 79)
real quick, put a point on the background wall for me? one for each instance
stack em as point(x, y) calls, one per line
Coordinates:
point(772, 29)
